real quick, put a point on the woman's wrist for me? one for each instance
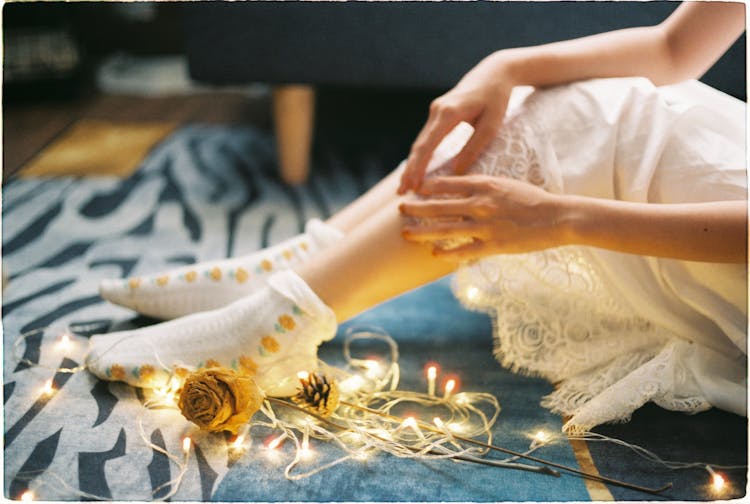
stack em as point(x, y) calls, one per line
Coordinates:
point(506, 68)
point(573, 221)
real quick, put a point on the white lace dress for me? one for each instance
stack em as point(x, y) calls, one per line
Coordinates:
point(612, 330)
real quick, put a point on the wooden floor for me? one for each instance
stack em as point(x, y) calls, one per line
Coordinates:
point(28, 127)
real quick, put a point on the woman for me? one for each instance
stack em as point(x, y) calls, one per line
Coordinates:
point(605, 222)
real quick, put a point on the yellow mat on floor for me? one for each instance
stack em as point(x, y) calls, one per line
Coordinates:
point(92, 147)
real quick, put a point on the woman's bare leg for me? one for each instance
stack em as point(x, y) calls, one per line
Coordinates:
point(371, 264)
point(377, 197)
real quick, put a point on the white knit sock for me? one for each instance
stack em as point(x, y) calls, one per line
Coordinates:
point(210, 285)
point(271, 334)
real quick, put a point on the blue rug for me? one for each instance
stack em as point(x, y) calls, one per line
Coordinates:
point(212, 192)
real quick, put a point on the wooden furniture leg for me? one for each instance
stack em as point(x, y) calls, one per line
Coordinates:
point(294, 115)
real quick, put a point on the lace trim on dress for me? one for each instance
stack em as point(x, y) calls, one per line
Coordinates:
point(555, 317)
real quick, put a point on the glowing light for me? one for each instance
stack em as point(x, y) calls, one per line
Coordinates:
point(431, 375)
point(373, 369)
point(456, 427)
point(174, 384)
point(438, 423)
point(361, 455)
point(450, 385)
point(409, 422)
point(305, 451)
point(49, 388)
point(27, 496)
point(461, 399)
point(352, 384)
point(65, 343)
point(166, 395)
point(541, 437)
point(472, 293)
point(186, 443)
point(276, 442)
point(303, 375)
point(717, 480)
point(237, 443)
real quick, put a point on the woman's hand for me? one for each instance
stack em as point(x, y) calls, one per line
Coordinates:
point(499, 215)
point(480, 99)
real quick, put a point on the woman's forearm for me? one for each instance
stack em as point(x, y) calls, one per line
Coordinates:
point(684, 46)
point(714, 232)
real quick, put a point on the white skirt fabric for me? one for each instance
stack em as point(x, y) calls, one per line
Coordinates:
point(612, 330)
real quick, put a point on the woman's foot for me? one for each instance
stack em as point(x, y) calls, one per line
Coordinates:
point(210, 285)
point(271, 335)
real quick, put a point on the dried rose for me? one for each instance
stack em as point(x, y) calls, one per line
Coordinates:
point(218, 399)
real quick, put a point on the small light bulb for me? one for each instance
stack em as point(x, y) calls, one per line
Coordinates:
point(305, 451)
point(456, 427)
point(274, 443)
point(438, 423)
point(27, 496)
point(431, 375)
point(49, 388)
point(352, 384)
point(65, 343)
point(410, 422)
point(541, 437)
point(472, 293)
point(718, 482)
point(174, 384)
point(186, 442)
point(237, 444)
point(373, 369)
point(450, 385)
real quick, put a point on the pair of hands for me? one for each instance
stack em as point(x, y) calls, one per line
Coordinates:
point(499, 215)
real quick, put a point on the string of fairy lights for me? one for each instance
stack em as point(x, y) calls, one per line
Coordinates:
point(373, 416)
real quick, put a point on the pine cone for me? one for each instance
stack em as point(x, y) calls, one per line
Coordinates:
point(318, 394)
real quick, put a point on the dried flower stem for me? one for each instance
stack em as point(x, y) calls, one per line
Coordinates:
point(592, 476)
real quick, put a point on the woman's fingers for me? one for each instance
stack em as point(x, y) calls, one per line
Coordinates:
point(436, 208)
point(484, 131)
point(473, 250)
point(436, 128)
point(458, 185)
point(442, 230)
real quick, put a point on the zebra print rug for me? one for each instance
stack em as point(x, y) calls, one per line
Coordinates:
point(212, 192)
point(203, 193)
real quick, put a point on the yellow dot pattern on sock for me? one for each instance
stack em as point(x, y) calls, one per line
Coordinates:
point(146, 372)
point(162, 280)
point(216, 274)
point(287, 254)
point(190, 276)
point(303, 246)
point(248, 365)
point(117, 372)
point(287, 322)
point(241, 275)
point(134, 283)
point(266, 265)
point(270, 344)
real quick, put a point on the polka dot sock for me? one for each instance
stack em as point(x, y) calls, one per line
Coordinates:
point(271, 334)
point(210, 285)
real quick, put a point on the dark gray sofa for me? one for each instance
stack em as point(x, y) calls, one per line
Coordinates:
point(427, 45)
